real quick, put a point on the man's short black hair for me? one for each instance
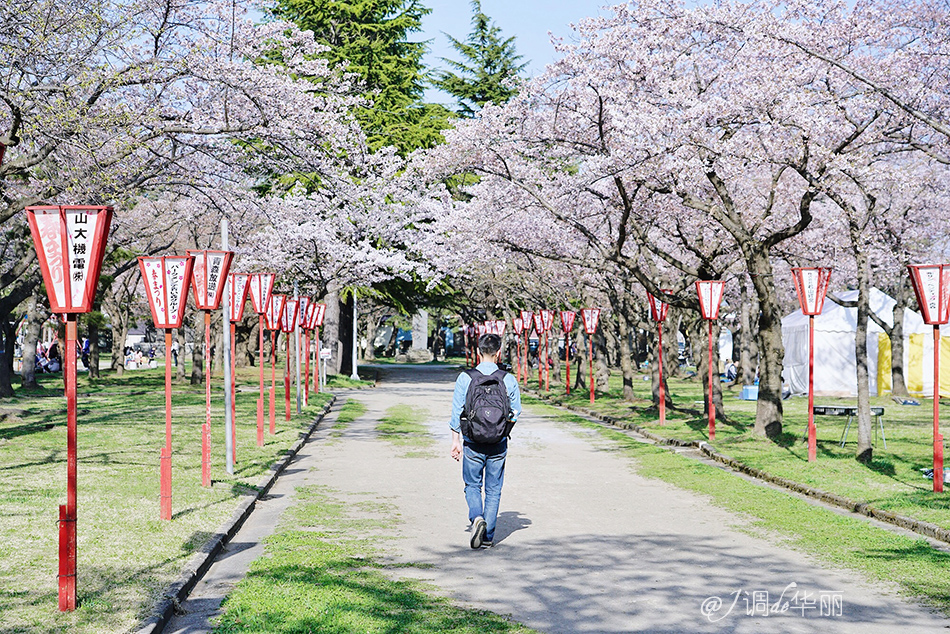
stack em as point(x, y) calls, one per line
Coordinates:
point(489, 344)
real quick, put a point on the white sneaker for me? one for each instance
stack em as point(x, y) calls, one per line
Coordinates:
point(478, 532)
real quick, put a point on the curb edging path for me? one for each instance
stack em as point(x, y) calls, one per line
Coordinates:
point(199, 564)
point(925, 529)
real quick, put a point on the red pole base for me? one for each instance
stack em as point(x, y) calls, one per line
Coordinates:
point(206, 455)
point(67, 561)
point(273, 396)
point(165, 490)
point(260, 421)
point(938, 464)
point(812, 442)
point(287, 398)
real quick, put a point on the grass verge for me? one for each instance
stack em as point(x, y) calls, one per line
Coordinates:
point(320, 573)
point(892, 481)
point(845, 541)
point(400, 426)
point(127, 555)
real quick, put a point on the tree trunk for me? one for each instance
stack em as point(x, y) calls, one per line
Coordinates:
point(9, 349)
point(345, 336)
point(93, 350)
point(331, 331)
point(120, 332)
point(370, 354)
point(896, 334)
point(748, 350)
point(628, 365)
point(198, 356)
point(35, 316)
point(864, 450)
point(768, 411)
point(182, 346)
point(601, 368)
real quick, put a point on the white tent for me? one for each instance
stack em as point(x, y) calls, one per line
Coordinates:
point(835, 366)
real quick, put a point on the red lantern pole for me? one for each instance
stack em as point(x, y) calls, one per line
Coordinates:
point(206, 428)
point(938, 437)
point(261, 290)
point(590, 355)
point(567, 323)
point(306, 367)
point(567, 362)
point(932, 288)
point(70, 245)
point(658, 310)
point(316, 360)
point(165, 471)
point(710, 298)
point(234, 395)
point(238, 286)
point(273, 382)
point(67, 513)
point(711, 408)
point(167, 279)
point(659, 369)
point(260, 398)
point(209, 276)
point(287, 379)
point(590, 316)
point(811, 285)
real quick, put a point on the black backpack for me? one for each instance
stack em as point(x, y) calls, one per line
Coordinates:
point(487, 413)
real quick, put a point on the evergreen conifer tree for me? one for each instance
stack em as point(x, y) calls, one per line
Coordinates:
point(489, 66)
point(372, 37)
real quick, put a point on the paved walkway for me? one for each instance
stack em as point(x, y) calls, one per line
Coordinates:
point(583, 543)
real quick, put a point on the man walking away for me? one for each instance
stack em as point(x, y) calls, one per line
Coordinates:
point(485, 406)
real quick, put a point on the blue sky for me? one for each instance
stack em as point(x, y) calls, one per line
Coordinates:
point(528, 20)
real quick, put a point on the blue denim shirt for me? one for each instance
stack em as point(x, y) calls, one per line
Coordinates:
point(461, 389)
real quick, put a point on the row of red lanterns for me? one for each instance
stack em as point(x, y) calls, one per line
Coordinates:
point(70, 243)
point(542, 322)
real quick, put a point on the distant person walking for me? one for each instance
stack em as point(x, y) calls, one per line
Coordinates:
point(485, 406)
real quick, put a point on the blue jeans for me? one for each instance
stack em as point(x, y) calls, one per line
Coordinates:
point(484, 464)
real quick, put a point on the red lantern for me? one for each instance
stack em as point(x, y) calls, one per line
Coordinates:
point(261, 289)
point(526, 319)
point(167, 279)
point(710, 298)
point(590, 317)
point(209, 277)
point(518, 325)
point(237, 295)
point(811, 285)
point(658, 310)
point(70, 243)
point(238, 287)
point(567, 320)
point(932, 287)
point(500, 325)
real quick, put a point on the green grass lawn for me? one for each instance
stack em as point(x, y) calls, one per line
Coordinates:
point(320, 572)
point(918, 569)
point(892, 481)
point(127, 555)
